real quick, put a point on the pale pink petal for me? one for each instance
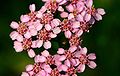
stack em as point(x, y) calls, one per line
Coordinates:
point(80, 17)
point(14, 25)
point(45, 0)
point(18, 46)
point(56, 30)
point(70, 8)
point(62, 58)
point(52, 35)
point(39, 14)
point(76, 24)
point(92, 20)
point(56, 22)
point(62, 2)
point(60, 51)
point(80, 6)
point(70, 16)
point(38, 25)
point(98, 17)
point(58, 1)
point(33, 32)
point(92, 56)
point(39, 43)
point(29, 67)
point(33, 44)
point(41, 73)
point(24, 18)
point(39, 58)
point(43, 9)
point(27, 35)
point(31, 53)
point(87, 17)
point(62, 68)
point(89, 3)
point(68, 34)
point(32, 7)
point(19, 38)
point(45, 53)
point(13, 35)
point(48, 27)
point(83, 13)
point(77, 62)
point(79, 33)
point(72, 49)
point(101, 11)
point(67, 62)
point(84, 50)
point(92, 64)
point(24, 74)
point(73, 62)
point(47, 68)
point(64, 14)
point(60, 8)
point(47, 45)
point(81, 68)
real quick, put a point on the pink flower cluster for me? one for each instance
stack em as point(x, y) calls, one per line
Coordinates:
point(64, 63)
point(37, 28)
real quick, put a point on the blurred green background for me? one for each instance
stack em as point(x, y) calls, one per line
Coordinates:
point(103, 39)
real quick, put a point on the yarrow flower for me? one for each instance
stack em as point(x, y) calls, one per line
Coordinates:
point(37, 28)
point(65, 62)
